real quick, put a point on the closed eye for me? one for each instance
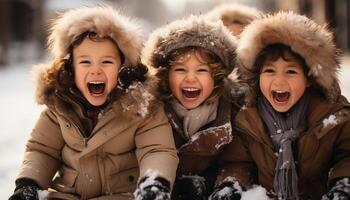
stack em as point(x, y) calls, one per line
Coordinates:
point(179, 69)
point(268, 70)
point(84, 62)
point(291, 72)
point(107, 62)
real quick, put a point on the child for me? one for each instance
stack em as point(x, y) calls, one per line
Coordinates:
point(234, 16)
point(101, 120)
point(192, 57)
point(294, 136)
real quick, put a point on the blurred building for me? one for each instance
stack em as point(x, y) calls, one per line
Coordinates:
point(335, 13)
point(24, 22)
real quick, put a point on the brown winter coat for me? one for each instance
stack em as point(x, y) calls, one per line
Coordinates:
point(106, 162)
point(322, 152)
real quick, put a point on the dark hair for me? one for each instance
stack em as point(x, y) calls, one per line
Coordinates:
point(217, 70)
point(275, 51)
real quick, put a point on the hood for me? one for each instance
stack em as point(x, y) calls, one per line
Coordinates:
point(105, 21)
point(234, 12)
point(311, 41)
point(193, 31)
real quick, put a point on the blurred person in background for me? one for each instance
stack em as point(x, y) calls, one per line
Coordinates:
point(234, 16)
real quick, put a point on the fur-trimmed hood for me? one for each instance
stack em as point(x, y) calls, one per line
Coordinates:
point(234, 12)
point(104, 21)
point(193, 31)
point(311, 41)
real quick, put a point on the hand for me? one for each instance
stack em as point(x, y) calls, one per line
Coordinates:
point(340, 190)
point(189, 187)
point(26, 193)
point(229, 190)
point(26, 189)
point(152, 189)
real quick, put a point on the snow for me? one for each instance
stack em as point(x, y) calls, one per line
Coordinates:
point(19, 114)
point(42, 194)
point(331, 120)
point(256, 193)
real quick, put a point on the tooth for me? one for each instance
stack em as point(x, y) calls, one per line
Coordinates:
point(191, 89)
point(96, 82)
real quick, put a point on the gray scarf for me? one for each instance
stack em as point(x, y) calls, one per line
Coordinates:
point(284, 128)
point(195, 118)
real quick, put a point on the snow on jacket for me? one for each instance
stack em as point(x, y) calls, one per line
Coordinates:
point(322, 152)
point(132, 134)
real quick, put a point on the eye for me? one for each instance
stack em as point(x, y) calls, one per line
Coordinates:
point(267, 70)
point(291, 71)
point(179, 69)
point(107, 62)
point(84, 62)
point(203, 70)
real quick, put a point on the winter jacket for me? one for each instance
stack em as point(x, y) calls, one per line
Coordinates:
point(322, 152)
point(79, 159)
point(107, 161)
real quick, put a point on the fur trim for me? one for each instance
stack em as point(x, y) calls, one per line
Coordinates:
point(105, 21)
point(311, 41)
point(234, 12)
point(192, 31)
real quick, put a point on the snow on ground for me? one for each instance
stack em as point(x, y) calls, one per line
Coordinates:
point(19, 114)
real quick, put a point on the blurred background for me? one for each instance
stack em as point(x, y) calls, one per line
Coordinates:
point(23, 38)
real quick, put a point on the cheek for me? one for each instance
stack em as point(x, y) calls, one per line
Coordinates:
point(174, 82)
point(112, 76)
point(264, 85)
point(208, 85)
point(79, 78)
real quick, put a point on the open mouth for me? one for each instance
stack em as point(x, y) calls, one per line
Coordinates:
point(96, 88)
point(280, 96)
point(191, 92)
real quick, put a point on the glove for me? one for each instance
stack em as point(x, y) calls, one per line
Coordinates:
point(128, 75)
point(228, 190)
point(340, 190)
point(26, 189)
point(189, 187)
point(153, 189)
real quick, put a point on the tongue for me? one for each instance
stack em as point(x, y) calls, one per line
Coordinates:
point(96, 88)
point(282, 97)
point(190, 94)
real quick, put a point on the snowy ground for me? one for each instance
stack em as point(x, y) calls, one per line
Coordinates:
point(19, 113)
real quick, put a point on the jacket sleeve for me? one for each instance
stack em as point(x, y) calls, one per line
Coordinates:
point(156, 149)
point(42, 155)
point(236, 162)
point(341, 155)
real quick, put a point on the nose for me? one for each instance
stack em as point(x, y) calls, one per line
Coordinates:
point(96, 71)
point(279, 80)
point(190, 77)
